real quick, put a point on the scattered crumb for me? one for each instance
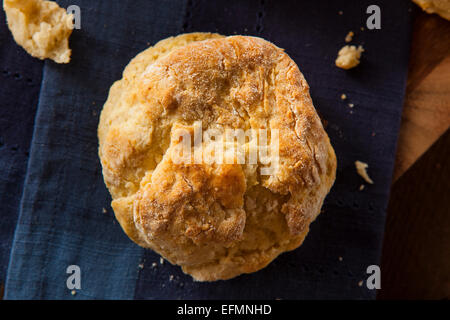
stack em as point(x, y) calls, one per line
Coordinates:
point(360, 283)
point(104, 210)
point(348, 57)
point(361, 187)
point(161, 260)
point(362, 28)
point(340, 258)
point(141, 266)
point(349, 36)
point(343, 96)
point(351, 105)
point(42, 28)
point(361, 168)
point(373, 134)
point(73, 292)
point(154, 264)
point(341, 13)
point(171, 278)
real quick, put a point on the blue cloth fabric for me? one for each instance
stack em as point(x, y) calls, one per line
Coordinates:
point(61, 220)
point(20, 81)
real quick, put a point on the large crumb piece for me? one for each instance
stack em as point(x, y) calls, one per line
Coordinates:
point(361, 168)
point(348, 57)
point(441, 7)
point(41, 27)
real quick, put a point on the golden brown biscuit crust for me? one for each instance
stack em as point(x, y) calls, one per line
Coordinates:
point(441, 7)
point(219, 220)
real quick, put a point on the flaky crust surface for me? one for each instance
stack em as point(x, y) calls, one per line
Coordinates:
point(219, 220)
point(441, 7)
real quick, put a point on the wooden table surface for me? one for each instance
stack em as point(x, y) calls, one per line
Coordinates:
point(416, 249)
point(426, 111)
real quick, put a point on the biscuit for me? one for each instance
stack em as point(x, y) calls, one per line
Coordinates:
point(216, 220)
point(441, 7)
point(41, 27)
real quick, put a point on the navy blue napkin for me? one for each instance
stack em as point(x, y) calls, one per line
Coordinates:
point(20, 81)
point(65, 218)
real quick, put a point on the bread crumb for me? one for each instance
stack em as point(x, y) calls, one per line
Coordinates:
point(340, 258)
point(361, 187)
point(171, 278)
point(161, 260)
point(360, 283)
point(349, 36)
point(154, 264)
point(343, 96)
point(362, 28)
point(348, 57)
point(73, 292)
point(341, 13)
point(141, 266)
point(361, 168)
point(351, 105)
point(104, 210)
point(41, 27)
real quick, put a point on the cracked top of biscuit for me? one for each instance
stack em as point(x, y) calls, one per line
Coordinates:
point(215, 220)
